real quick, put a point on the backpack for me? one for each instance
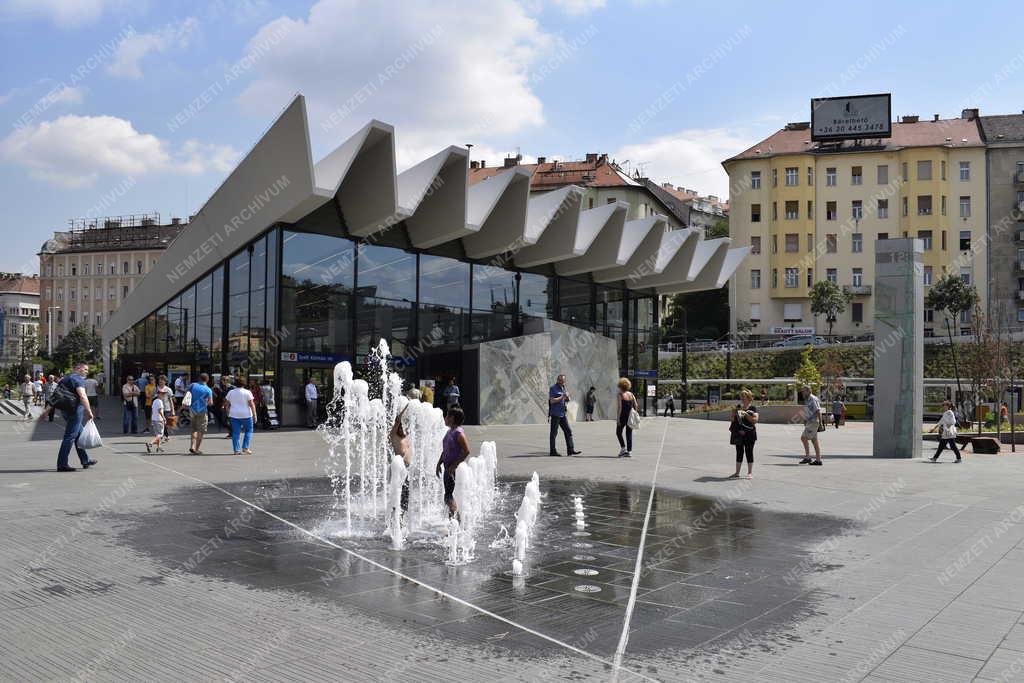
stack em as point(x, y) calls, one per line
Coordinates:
point(63, 398)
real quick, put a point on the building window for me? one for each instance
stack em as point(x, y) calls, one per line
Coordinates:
point(792, 243)
point(775, 278)
point(857, 207)
point(856, 175)
point(775, 177)
point(830, 177)
point(792, 313)
point(775, 244)
point(965, 240)
point(755, 213)
point(755, 180)
point(810, 241)
point(926, 237)
point(60, 316)
point(831, 243)
point(857, 312)
point(85, 269)
point(85, 294)
point(883, 208)
point(810, 176)
point(858, 277)
point(124, 268)
point(924, 205)
point(112, 294)
point(943, 240)
point(942, 165)
point(755, 279)
point(830, 211)
point(903, 172)
point(942, 208)
point(905, 203)
point(755, 313)
point(71, 317)
point(810, 210)
point(124, 292)
point(929, 315)
point(755, 244)
point(138, 267)
point(965, 207)
point(832, 275)
point(113, 269)
point(775, 211)
point(74, 269)
point(792, 210)
point(71, 294)
point(965, 275)
point(965, 171)
point(792, 278)
point(924, 170)
point(857, 243)
point(883, 174)
point(792, 176)
point(810, 277)
point(927, 276)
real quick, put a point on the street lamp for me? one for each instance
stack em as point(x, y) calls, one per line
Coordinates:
point(49, 329)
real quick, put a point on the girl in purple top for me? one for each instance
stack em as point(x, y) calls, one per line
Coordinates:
point(454, 449)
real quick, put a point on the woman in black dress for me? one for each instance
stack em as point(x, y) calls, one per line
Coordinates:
point(743, 433)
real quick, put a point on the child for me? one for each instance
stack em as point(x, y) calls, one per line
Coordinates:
point(157, 425)
point(454, 449)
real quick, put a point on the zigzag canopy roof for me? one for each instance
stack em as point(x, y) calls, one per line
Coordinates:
point(277, 182)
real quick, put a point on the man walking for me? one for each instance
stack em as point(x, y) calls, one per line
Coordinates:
point(51, 384)
point(812, 420)
point(130, 397)
point(670, 407)
point(311, 401)
point(558, 397)
point(452, 395)
point(199, 411)
point(76, 411)
point(838, 408)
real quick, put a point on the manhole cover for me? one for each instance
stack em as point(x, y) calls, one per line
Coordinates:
point(585, 572)
point(582, 545)
point(584, 558)
point(588, 588)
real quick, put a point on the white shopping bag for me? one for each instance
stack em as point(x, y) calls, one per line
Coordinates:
point(90, 436)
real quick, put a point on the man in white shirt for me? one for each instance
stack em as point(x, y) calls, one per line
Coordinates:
point(180, 382)
point(91, 386)
point(812, 418)
point(311, 401)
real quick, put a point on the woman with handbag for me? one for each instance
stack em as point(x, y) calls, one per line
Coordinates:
point(947, 432)
point(628, 418)
point(743, 433)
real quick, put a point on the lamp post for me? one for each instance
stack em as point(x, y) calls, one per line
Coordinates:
point(49, 329)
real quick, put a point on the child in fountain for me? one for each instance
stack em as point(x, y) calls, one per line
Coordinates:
point(454, 449)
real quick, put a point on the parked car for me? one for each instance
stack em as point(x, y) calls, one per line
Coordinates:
point(800, 340)
point(728, 346)
point(701, 345)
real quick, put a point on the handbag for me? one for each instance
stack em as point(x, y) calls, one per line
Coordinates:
point(821, 423)
point(186, 401)
point(633, 421)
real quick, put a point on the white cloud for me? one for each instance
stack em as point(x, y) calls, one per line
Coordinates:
point(444, 73)
point(64, 94)
point(691, 158)
point(74, 151)
point(133, 49)
point(578, 7)
point(63, 13)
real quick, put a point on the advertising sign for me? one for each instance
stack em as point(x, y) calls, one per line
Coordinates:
point(849, 118)
point(792, 330)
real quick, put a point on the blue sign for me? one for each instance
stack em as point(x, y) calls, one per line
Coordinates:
point(647, 374)
point(301, 357)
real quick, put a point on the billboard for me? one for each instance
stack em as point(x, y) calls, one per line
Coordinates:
point(848, 118)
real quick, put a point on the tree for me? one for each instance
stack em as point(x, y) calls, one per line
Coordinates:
point(80, 344)
point(952, 296)
point(719, 229)
point(807, 373)
point(832, 370)
point(829, 300)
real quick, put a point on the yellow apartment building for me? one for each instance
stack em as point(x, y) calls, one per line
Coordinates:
point(812, 211)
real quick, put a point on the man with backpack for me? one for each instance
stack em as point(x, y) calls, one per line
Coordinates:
point(70, 399)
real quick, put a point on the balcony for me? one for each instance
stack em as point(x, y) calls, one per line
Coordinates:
point(1018, 266)
point(1018, 178)
point(857, 290)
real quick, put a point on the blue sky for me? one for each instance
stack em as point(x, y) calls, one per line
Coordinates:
point(95, 94)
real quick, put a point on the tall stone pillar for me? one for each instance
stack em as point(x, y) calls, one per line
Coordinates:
point(899, 348)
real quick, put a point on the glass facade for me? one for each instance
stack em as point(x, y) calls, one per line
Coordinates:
point(292, 304)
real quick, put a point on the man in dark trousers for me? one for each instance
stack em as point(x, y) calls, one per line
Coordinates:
point(76, 413)
point(558, 397)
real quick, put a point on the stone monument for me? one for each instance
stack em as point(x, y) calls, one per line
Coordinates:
point(899, 348)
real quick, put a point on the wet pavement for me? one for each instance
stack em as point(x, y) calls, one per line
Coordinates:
point(712, 571)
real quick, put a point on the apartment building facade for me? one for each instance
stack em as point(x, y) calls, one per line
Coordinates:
point(86, 272)
point(1004, 139)
point(19, 317)
point(813, 211)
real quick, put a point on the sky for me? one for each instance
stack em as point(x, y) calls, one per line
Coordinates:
point(112, 107)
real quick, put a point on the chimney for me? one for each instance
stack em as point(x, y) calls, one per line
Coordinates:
point(667, 186)
point(911, 118)
point(591, 157)
point(483, 163)
point(474, 164)
point(969, 114)
point(541, 160)
point(936, 117)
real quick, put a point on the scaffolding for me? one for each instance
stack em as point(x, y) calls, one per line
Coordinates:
point(132, 231)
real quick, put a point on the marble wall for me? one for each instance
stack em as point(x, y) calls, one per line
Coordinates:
point(515, 374)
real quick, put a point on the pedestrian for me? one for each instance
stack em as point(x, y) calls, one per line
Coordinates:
point(199, 411)
point(400, 444)
point(130, 402)
point(764, 397)
point(743, 433)
point(1004, 412)
point(157, 423)
point(37, 390)
point(180, 384)
point(242, 415)
point(454, 449)
point(51, 384)
point(627, 405)
point(268, 402)
point(148, 392)
point(452, 395)
point(257, 398)
point(312, 395)
point(91, 386)
point(558, 397)
point(812, 425)
point(589, 403)
point(946, 427)
point(670, 406)
point(27, 395)
point(165, 395)
point(71, 400)
point(838, 408)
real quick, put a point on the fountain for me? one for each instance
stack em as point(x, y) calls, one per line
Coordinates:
point(526, 518)
point(367, 477)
